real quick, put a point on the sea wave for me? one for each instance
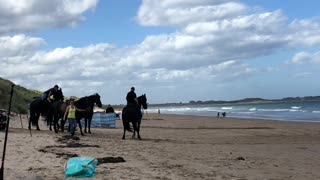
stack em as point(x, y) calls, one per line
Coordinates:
point(252, 109)
point(244, 112)
point(275, 110)
point(315, 111)
point(296, 107)
point(226, 108)
point(295, 110)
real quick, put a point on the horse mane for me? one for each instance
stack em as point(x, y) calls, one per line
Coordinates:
point(86, 101)
point(81, 103)
point(143, 101)
point(95, 94)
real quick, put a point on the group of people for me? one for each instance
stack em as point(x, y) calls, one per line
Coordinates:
point(70, 113)
point(223, 114)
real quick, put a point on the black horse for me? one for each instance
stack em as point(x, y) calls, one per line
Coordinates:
point(86, 103)
point(40, 107)
point(132, 113)
point(55, 113)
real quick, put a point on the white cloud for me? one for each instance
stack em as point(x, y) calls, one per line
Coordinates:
point(305, 32)
point(177, 12)
point(306, 58)
point(26, 15)
point(263, 23)
point(213, 43)
point(19, 45)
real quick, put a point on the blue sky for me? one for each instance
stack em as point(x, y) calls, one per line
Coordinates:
point(111, 21)
point(172, 50)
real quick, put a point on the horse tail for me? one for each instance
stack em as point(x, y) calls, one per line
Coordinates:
point(49, 116)
point(33, 118)
point(126, 125)
point(125, 121)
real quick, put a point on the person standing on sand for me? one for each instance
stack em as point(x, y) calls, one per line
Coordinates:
point(109, 109)
point(71, 113)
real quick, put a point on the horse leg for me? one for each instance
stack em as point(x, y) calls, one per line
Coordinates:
point(138, 130)
point(31, 116)
point(50, 123)
point(79, 123)
point(55, 122)
point(134, 132)
point(124, 128)
point(89, 125)
point(37, 122)
point(124, 133)
point(58, 126)
point(62, 125)
point(134, 124)
point(85, 125)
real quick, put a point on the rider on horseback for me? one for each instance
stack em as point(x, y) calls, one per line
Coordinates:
point(48, 93)
point(132, 97)
point(132, 105)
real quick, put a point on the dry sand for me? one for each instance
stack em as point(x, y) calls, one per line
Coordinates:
point(173, 147)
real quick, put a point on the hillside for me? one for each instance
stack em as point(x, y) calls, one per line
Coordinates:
point(244, 101)
point(21, 97)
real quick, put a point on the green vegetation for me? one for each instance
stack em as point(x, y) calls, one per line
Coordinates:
point(21, 97)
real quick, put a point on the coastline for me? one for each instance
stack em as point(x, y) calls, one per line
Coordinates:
point(174, 147)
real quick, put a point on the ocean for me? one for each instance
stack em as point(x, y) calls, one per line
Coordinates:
point(282, 111)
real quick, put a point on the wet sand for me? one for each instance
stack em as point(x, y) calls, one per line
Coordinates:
point(172, 147)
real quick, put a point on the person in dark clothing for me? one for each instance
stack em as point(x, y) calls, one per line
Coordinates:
point(109, 109)
point(132, 97)
point(48, 93)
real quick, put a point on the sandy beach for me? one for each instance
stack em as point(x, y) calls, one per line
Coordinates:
point(173, 147)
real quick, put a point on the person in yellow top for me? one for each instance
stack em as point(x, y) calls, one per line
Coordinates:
point(71, 114)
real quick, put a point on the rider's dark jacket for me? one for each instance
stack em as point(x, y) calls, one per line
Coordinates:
point(130, 97)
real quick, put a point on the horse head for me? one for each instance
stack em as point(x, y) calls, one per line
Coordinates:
point(143, 101)
point(96, 99)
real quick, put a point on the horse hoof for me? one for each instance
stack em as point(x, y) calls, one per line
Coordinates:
point(123, 138)
point(89, 132)
point(82, 134)
point(38, 129)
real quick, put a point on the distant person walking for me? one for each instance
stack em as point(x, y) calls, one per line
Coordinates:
point(224, 114)
point(218, 115)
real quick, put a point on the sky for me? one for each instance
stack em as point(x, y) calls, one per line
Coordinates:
point(170, 50)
